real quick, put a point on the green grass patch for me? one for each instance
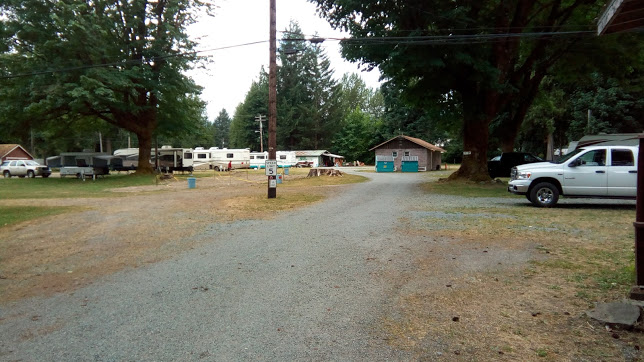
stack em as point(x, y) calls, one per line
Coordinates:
point(469, 189)
point(14, 214)
point(48, 188)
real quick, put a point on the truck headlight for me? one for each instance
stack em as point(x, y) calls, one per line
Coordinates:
point(523, 175)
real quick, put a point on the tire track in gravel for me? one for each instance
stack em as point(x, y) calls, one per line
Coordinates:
point(301, 286)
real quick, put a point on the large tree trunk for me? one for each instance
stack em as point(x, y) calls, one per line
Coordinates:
point(477, 108)
point(475, 142)
point(145, 151)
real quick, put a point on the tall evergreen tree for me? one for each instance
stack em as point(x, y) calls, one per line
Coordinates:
point(243, 125)
point(221, 129)
point(307, 95)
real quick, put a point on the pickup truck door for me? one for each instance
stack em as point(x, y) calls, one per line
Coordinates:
point(622, 173)
point(586, 175)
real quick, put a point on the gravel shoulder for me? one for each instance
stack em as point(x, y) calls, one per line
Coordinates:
point(332, 281)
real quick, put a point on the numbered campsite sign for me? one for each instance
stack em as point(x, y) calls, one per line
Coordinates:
point(271, 168)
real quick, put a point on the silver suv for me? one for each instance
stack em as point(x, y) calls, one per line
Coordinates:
point(589, 172)
point(22, 168)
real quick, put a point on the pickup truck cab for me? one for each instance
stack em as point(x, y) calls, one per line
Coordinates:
point(588, 172)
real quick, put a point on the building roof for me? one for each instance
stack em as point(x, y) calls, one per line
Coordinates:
point(315, 153)
point(621, 15)
point(417, 141)
point(5, 149)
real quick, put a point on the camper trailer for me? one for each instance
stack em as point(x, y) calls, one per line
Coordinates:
point(236, 157)
point(173, 159)
point(170, 158)
point(85, 164)
point(201, 159)
point(258, 159)
point(286, 158)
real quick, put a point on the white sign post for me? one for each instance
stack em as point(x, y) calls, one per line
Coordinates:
point(271, 168)
point(271, 172)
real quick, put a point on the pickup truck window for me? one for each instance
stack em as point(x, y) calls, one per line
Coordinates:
point(568, 156)
point(593, 158)
point(621, 158)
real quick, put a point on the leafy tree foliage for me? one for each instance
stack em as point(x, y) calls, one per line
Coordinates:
point(356, 137)
point(117, 61)
point(490, 56)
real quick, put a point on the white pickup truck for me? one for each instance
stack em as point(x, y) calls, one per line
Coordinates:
point(589, 172)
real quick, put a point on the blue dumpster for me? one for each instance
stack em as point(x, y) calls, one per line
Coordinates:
point(384, 164)
point(192, 182)
point(409, 164)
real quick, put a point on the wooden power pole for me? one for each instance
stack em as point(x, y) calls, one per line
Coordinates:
point(272, 100)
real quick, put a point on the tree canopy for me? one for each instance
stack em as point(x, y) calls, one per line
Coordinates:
point(488, 56)
point(119, 62)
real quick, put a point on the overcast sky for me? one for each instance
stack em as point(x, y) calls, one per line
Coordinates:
point(237, 22)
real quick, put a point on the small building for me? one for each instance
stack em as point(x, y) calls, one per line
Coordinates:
point(409, 154)
point(320, 158)
point(14, 152)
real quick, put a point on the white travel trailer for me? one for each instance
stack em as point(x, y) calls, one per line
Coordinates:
point(174, 159)
point(170, 158)
point(236, 157)
point(258, 159)
point(202, 159)
point(286, 159)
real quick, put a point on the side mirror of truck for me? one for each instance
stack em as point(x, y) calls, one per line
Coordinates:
point(575, 163)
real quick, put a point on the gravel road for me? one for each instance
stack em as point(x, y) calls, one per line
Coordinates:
point(303, 286)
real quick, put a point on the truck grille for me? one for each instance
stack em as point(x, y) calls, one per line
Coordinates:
point(513, 173)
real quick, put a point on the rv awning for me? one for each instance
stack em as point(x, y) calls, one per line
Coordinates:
point(331, 155)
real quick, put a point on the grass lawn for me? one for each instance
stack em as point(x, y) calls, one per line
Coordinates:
point(52, 187)
point(15, 214)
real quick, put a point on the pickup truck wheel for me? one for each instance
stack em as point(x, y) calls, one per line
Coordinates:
point(527, 196)
point(31, 174)
point(544, 194)
point(6, 174)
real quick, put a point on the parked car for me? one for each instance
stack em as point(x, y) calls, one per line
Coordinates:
point(22, 168)
point(501, 165)
point(589, 172)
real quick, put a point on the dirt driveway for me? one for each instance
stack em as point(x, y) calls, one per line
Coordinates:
point(379, 271)
point(103, 235)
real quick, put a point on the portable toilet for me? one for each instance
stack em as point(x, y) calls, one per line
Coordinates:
point(409, 164)
point(385, 164)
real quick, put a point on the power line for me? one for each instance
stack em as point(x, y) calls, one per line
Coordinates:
point(451, 39)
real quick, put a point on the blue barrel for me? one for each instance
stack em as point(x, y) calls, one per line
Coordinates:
point(279, 179)
point(192, 182)
point(286, 170)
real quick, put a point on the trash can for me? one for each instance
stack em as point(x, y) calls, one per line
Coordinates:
point(192, 182)
point(286, 170)
point(279, 179)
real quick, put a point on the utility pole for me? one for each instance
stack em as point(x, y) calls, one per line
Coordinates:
point(272, 99)
point(260, 119)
